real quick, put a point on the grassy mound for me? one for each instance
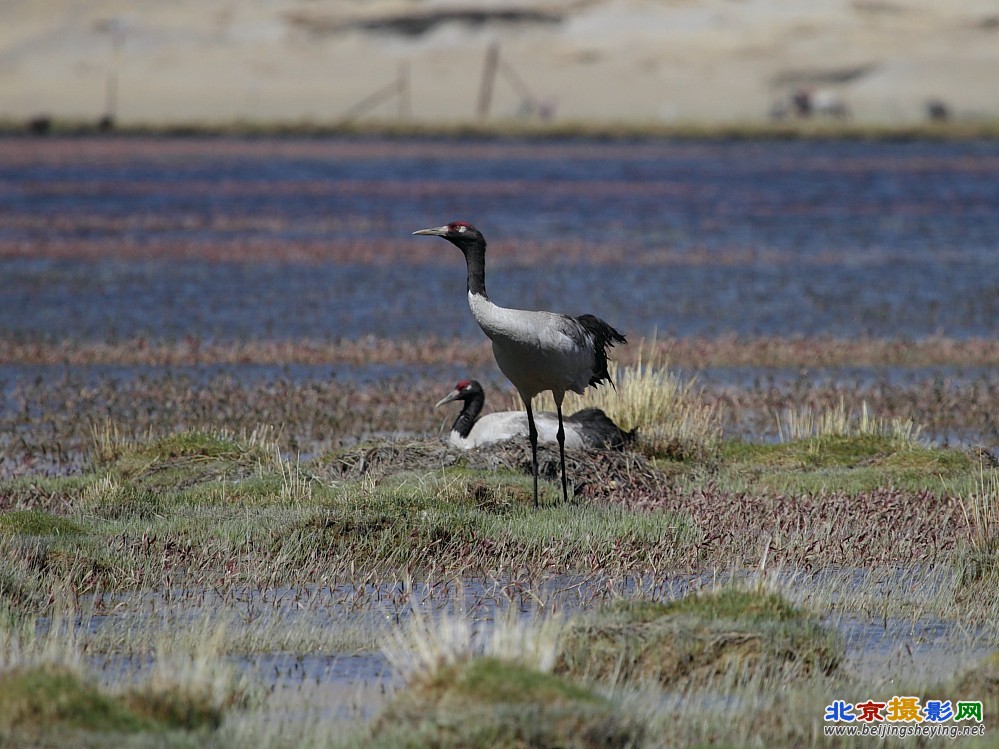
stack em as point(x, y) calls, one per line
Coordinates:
point(55, 706)
point(469, 520)
point(594, 474)
point(36, 523)
point(854, 463)
point(729, 635)
point(849, 451)
point(44, 699)
point(181, 460)
point(489, 702)
point(981, 683)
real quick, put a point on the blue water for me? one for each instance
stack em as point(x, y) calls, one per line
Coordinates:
point(753, 238)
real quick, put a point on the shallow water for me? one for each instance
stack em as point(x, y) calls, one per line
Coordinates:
point(335, 685)
point(237, 239)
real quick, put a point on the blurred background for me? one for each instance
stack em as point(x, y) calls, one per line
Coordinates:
point(226, 233)
point(447, 61)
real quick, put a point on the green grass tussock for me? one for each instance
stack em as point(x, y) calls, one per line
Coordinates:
point(188, 458)
point(850, 451)
point(48, 694)
point(180, 707)
point(47, 699)
point(111, 446)
point(488, 702)
point(728, 636)
point(735, 604)
point(851, 463)
point(466, 688)
point(36, 523)
point(53, 704)
point(141, 477)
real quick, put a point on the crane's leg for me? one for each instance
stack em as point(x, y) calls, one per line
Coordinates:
point(560, 436)
point(532, 433)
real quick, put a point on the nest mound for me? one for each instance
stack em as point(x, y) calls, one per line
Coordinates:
point(594, 473)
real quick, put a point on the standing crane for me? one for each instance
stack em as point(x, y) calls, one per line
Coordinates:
point(536, 350)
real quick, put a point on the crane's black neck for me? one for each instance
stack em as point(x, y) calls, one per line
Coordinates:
point(469, 413)
point(474, 250)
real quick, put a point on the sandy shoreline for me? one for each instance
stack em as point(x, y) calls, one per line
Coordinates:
point(413, 61)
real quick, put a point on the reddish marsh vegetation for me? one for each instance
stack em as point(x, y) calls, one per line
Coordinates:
point(47, 418)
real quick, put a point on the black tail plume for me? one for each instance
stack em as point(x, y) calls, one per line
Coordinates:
point(604, 336)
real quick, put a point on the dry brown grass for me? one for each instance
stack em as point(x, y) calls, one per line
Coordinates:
point(980, 562)
point(667, 411)
point(981, 508)
point(838, 421)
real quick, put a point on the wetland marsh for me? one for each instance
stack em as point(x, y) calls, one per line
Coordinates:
point(228, 516)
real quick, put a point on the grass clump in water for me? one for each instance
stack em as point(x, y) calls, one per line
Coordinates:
point(735, 604)
point(488, 702)
point(466, 688)
point(179, 707)
point(47, 694)
point(58, 704)
point(729, 635)
point(48, 698)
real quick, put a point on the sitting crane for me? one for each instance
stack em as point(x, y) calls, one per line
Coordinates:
point(590, 427)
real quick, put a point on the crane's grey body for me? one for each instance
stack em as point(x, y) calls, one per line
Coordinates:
point(537, 351)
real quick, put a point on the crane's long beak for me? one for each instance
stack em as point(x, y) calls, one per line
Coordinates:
point(452, 396)
point(439, 231)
